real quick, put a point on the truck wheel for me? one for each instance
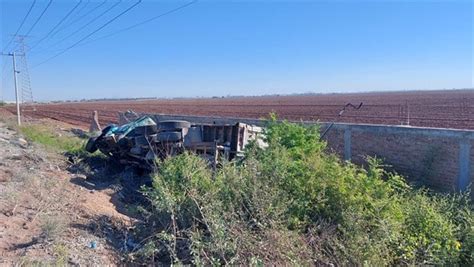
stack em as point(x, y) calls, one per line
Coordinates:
point(169, 136)
point(144, 130)
point(173, 125)
point(91, 146)
point(106, 129)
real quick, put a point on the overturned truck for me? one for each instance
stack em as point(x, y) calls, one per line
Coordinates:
point(144, 141)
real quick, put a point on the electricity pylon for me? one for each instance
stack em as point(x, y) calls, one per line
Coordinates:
point(24, 75)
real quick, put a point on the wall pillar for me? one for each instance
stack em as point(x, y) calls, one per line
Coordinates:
point(347, 144)
point(464, 164)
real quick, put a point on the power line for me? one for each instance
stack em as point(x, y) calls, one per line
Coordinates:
point(21, 24)
point(138, 24)
point(87, 24)
point(57, 25)
point(83, 7)
point(78, 12)
point(90, 34)
point(81, 17)
point(40, 16)
point(143, 22)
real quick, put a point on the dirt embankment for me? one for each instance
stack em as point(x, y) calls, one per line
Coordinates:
point(50, 212)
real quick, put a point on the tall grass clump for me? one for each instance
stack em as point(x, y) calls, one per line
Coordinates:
point(295, 203)
point(51, 140)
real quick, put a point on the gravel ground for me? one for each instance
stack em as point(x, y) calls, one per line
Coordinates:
point(49, 215)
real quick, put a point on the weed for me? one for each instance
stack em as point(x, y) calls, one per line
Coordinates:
point(28, 261)
point(30, 181)
point(61, 254)
point(51, 227)
point(294, 204)
point(10, 198)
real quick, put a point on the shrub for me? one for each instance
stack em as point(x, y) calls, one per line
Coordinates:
point(218, 218)
point(294, 203)
point(428, 234)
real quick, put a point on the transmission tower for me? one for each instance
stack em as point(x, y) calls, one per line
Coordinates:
point(26, 94)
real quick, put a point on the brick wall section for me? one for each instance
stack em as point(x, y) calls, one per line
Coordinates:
point(431, 161)
point(423, 155)
point(335, 142)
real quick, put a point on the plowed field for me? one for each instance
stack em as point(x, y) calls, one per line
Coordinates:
point(444, 109)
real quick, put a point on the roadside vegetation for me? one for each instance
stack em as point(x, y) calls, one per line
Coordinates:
point(51, 140)
point(66, 144)
point(2, 103)
point(49, 137)
point(294, 203)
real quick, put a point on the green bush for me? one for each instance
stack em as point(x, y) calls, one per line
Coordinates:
point(428, 234)
point(294, 203)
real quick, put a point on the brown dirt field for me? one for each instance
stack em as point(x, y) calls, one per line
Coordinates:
point(442, 109)
point(4, 113)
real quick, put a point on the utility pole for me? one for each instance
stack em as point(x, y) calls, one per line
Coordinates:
point(16, 90)
point(23, 92)
point(15, 71)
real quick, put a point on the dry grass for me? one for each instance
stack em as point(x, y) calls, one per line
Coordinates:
point(52, 226)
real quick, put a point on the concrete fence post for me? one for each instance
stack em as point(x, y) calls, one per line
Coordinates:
point(464, 164)
point(95, 126)
point(347, 144)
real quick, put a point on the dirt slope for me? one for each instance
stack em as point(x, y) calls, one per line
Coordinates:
point(53, 216)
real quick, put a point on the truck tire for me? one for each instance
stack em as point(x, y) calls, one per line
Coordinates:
point(106, 129)
point(169, 136)
point(173, 125)
point(91, 146)
point(144, 130)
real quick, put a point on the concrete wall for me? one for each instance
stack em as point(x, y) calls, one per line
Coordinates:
point(440, 158)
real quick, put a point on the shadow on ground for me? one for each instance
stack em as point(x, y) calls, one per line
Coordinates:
point(98, 173)
point(114, 233)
